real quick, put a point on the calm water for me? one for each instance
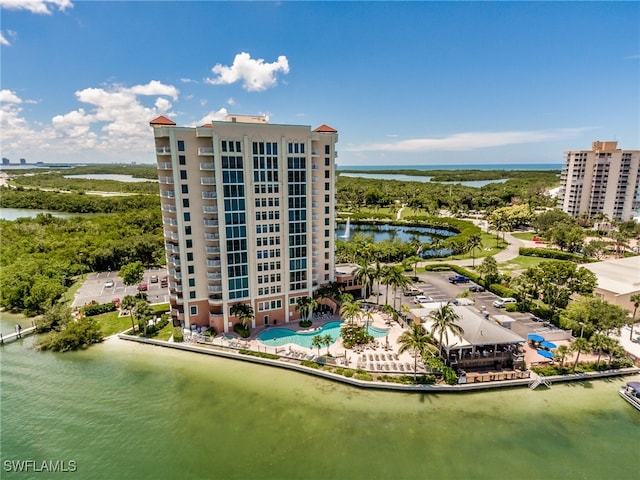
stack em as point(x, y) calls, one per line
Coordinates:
point(482, 166)
point(385, 232)
point(123, 410)
point(15, 213)
point(419, 178)
point(111, 176)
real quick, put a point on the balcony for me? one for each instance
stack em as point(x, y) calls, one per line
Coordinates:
point(204, 132)
point(163, 150)
point(214, 289)
point(210, 209)
point(206, 166)
point(209, 195)
point(170, 247)
point(205, 150)
point(315, 153)
point(212, 250)
point(315, 166)
point(213, 263)
point(166, 180)
point(164, 166)
point(167, 194)
point(214, 276)
point(168, 208)
point(207, 181)
point(170, 221)
point(211, 237)
point(171, 235)
point(210, 223)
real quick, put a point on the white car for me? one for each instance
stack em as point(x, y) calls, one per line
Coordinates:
point(503, 302)
point(109, 284)
point(422, 299)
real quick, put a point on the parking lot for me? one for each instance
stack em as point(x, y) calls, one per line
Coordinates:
point(436, 285)
point(95, 288)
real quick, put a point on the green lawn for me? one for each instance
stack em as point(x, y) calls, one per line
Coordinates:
point(487, 249)
point(71, 291)
point(111, 323)
point(524, 235)
point(521, 263)
point(165, 333)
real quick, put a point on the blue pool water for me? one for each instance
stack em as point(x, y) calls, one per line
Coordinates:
point(277, 337)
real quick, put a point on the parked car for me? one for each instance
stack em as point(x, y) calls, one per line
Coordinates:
point(164, 282)
point(143, 287)
point(503, 302)
point(476, 288)
point(109, 284)
point(422, 299)
point(458, 279)
point(412, 291)
point(154, 278)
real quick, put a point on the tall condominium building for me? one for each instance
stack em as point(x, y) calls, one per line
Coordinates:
point(604, 180)
point(248, 216)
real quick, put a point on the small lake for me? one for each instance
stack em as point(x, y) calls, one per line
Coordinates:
point(15, 213)
point(418, 178)
point(111, 176)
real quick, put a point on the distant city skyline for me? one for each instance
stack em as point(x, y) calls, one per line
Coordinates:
point(415, 83)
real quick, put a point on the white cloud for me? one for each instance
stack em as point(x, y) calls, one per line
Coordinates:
point(255, 74)
point(632, 57)
point(4, 40)
point(231, 101)
point(188, 80)
point(212, 116)
point(115, 123)
point(41, 7)
point(468, 141)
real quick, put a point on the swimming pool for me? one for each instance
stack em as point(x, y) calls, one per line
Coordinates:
point(277, 337)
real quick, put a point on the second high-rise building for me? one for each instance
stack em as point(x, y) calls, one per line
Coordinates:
point(248, 217)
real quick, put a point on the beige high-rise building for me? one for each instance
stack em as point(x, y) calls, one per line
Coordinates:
point(248, 217)
point(604, 180)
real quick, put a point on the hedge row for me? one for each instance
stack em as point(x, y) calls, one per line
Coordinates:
point(554, 254)
point(101, 308)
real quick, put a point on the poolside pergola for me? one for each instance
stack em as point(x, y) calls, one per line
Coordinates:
point(483, 345)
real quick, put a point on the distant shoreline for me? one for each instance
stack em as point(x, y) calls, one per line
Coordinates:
point(449, 167)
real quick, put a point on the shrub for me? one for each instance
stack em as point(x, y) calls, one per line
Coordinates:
point(209, 332)
point(253, 353)
point(363, 375)
point(152, 329)
point(91, 310)
point(244, 332)
point(542, 311)
point(502, 291)
point(349, 373)
point(305, 323)
point(551, 253)
point(309, 363)
point(449, 375)
point(178, 336)
point(511, 307)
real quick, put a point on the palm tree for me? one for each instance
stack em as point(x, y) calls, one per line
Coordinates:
point(561, 353)
point(302, 306)
point(444, 321)
point(142, 311)
point(317, 342)
point(327, 340)
point(365, 274)
point(378, 273)
point(579, 345)
point(350, 310)
point(599, 343)
point(128, 302)
point(635, 299)
point(473, 242)
point(368, 318)
point(416, 339)
point(243, 311)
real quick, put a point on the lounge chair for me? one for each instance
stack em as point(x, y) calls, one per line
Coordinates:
point(401, 367)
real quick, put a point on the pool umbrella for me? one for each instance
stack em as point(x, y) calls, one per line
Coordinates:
point(545, 354)
point(548, 345)
point(535, 338)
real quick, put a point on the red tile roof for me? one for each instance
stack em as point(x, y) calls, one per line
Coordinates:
point(162, 121)
point(206, 125)
point(325, 129)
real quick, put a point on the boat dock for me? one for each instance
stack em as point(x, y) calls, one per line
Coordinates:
point(17, 335)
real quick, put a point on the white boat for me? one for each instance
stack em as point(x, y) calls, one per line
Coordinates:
point(631, 393)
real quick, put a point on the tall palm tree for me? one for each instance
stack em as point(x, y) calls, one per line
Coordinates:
point(378, 273)
point(599, 343)
point(473, 242)
point(142, 312)
point(418, 340)
point(303, 306)
point(128, 302)
point(368, 318)
point(350, 310)
point(365, 274)
point(243, 311)
point(316, 342)
point(579, 345)
point(445, 321)
point(635, 299)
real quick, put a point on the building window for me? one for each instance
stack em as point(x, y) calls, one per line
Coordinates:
point(185, 202)
point(181, 145)
point(189, 243)
point(327, 186)
point(327, 149)
point(194, 310)
point(326, 221)
point(327, 198)
point(189, 256)
point(187, 230)
point(183, 174)
point(182, 160)
point(327, 162)
point(185, 188)
point(326, 210)
point(191, 269)
point(192, 295)
point(192, 282)
point(187, 217)
point(326, 244)
point(327, 174)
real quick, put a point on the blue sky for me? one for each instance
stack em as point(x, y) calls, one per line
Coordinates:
point(414, 83)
